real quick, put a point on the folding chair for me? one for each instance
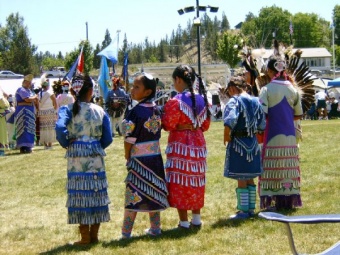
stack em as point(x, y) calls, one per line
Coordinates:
point(304, 219)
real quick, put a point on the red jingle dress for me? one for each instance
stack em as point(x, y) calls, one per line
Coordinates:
point(186, 151)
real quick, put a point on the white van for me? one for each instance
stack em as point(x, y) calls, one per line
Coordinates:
point(56, 72)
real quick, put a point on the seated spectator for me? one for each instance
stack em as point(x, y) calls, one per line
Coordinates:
point(218, 112)
point(334, 112)
point(321, 106)
point(312, 113)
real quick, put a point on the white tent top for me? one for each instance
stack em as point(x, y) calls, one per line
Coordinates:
point(10, 86)
point(320, 83)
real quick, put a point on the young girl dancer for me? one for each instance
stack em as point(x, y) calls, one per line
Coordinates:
point(145, 182)
point(243, 119)
point(186, 116)
point(83, 128)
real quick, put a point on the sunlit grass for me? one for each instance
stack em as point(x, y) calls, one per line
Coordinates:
point(33, 213)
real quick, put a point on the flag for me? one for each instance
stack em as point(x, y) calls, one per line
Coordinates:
point(77, 67)
point(291, 28)
point(80, 66)
point(104, 78)
point(110, 52)
point(125, 67)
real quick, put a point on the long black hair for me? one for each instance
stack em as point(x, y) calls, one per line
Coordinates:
point(188, 74)
point(81, 94)
point(149, 83)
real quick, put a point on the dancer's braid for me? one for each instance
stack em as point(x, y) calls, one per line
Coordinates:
point(202, 91)
point(188, 72)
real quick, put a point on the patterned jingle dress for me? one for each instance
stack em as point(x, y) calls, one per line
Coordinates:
point(24, 119)
point(47, 117)
point(186, 151)
point(280, 181)
point(244, 116)
point(146, 189)
point(85, 137)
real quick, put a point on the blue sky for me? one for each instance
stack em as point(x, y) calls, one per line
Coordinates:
point(60, 25)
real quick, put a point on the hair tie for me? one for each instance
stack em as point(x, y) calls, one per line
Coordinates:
point(280, 66)
point(77, 85)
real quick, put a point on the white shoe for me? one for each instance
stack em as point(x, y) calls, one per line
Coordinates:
point(153, 232)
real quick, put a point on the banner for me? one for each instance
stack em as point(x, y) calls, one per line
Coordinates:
point(110, 52)
point(125, 68)
point(104, 80)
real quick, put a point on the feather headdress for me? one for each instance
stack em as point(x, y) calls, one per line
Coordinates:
point(296, 70)
point(251, 61)
point(302, 78)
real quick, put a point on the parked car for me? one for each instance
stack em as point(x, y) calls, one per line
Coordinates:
point(56, 72)
point(10, 75)
point(337, 70)
point(316, 72)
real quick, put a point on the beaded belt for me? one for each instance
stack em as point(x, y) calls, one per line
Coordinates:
point(145, 149)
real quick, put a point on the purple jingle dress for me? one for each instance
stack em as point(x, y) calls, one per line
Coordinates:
point(280, 181)
point(24, 119)
point(146, 189)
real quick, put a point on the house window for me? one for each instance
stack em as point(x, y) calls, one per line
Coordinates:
point(312, 62)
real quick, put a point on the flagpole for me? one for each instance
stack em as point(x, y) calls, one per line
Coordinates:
point(118, 31)
point(333, 51)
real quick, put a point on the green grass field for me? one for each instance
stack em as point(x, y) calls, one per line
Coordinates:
point(33, 215)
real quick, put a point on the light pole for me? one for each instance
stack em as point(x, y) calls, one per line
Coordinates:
point(118, 31)
point(197, 23)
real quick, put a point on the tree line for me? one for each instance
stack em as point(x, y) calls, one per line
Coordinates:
point(19, 54)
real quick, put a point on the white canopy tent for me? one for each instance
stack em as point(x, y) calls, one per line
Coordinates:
point(10, 86)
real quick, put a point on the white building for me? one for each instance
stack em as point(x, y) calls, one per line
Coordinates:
point(315, 58)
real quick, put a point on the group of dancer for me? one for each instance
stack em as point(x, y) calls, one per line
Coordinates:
point(152, 186)
point(84, 129)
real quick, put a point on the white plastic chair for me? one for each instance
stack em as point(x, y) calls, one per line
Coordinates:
point(304, 219)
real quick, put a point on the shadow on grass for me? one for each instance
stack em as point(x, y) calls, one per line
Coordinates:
point(68, 248)
point(166, 234)
point(288, 211)
point(17, 152)
point(121, 243)
point(13, 153)
point(231, 223)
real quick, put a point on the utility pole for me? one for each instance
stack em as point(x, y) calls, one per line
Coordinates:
point(87, 34)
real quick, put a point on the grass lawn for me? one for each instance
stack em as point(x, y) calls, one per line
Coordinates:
point(33, 215)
